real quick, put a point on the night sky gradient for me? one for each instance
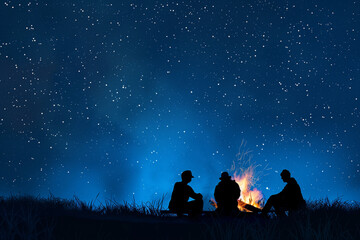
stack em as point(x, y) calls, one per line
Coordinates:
point(120, 97)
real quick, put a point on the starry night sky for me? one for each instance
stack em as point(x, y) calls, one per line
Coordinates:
point(120, 97)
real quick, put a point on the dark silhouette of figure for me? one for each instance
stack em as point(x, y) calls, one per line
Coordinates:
point(289, 199)
point(227, 193)
point(182, 192)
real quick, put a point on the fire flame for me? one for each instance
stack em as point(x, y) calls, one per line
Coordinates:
point(249, 195)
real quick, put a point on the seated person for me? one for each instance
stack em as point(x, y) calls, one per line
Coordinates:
point(227, 193)
point(289, 199)
point(180, 203)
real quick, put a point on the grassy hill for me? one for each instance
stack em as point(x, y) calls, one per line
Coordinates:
point(54, 218)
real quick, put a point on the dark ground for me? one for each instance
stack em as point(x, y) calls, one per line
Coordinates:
point(31, 218)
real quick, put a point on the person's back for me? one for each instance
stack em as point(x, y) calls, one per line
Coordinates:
point(227, 193)
point(292, 194)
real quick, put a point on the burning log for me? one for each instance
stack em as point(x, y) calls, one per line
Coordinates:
point(244, 207)
point(248, 207)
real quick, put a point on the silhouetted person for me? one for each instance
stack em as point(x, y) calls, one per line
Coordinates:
point(182, 192)
point(289, 199)
point(227, 193)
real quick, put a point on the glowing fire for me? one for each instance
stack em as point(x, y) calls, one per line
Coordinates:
point(249, 195)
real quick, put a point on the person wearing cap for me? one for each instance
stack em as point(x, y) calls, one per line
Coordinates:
point(289, 199)
point(227, 193)
point(180, 203)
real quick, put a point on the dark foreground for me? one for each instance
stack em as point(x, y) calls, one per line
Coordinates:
point(29, 218)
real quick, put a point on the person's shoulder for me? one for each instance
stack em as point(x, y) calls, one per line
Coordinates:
point(234, 182)
point(178, 184)
point(219, 184)
point(223, 183)
point(292, 181)
point(188, 189)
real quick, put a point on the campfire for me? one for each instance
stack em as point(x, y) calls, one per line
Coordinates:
point(250, 197)
point(249, 194)
point(243, 169)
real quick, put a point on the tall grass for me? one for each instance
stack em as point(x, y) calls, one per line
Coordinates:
point(153, 208)
point(38, 218)
point(321, 220)
point(21, 218)
point(33, 218)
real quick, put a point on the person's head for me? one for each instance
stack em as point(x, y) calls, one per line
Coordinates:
point(285, 175)
point(186, 176)
point(225, 176)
